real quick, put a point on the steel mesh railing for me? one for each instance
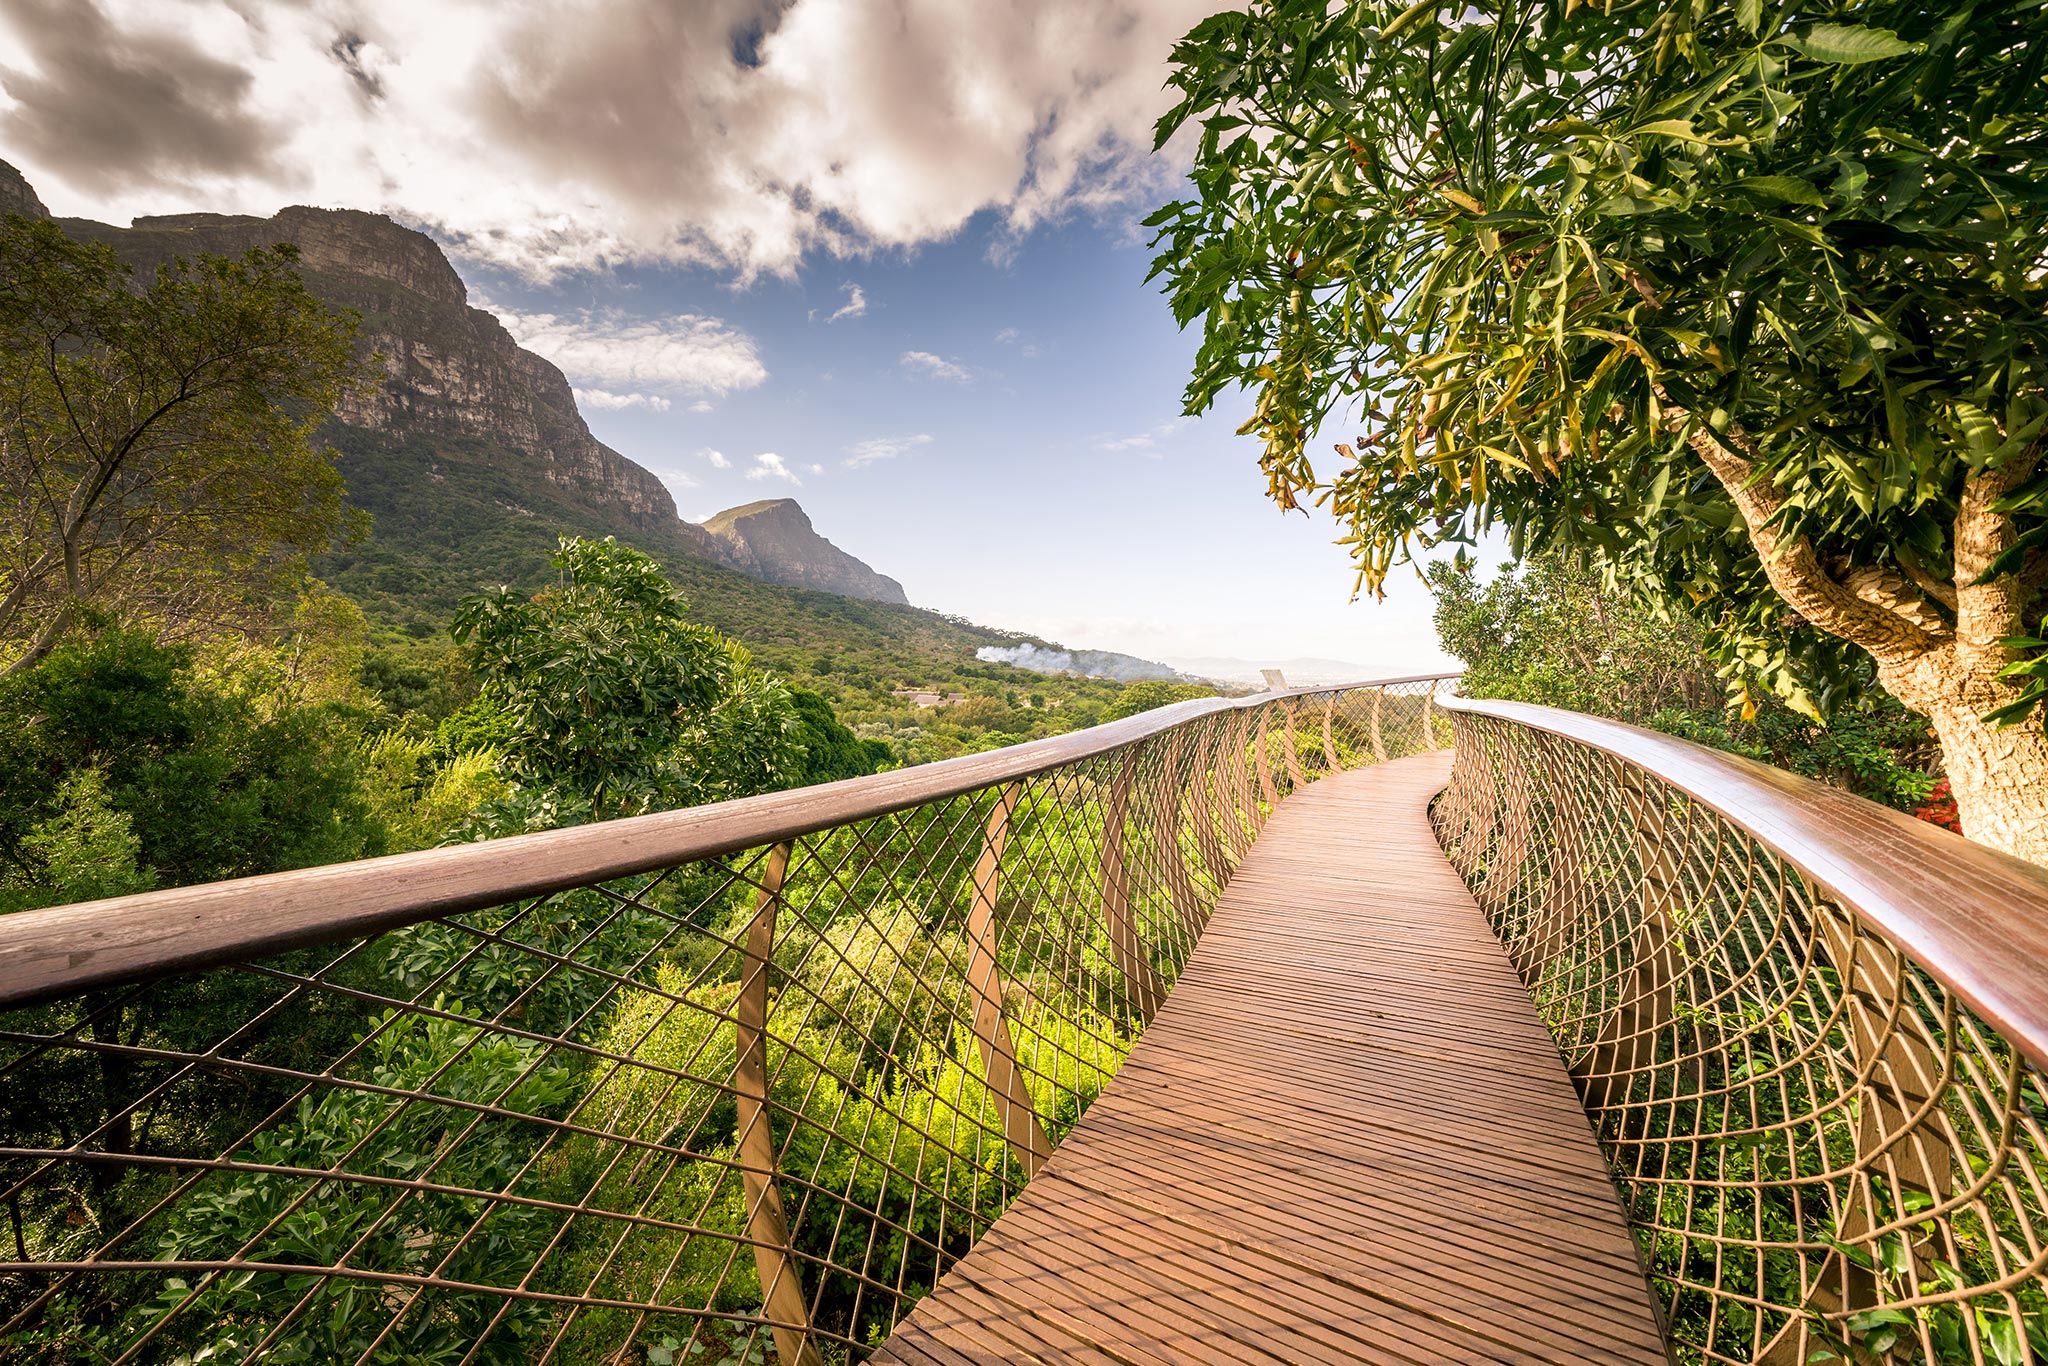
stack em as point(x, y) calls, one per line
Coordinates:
point(716, 1106)
point(1828, 1152)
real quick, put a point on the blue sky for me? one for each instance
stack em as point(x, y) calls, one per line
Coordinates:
point(1034, 473)
point(877, 254)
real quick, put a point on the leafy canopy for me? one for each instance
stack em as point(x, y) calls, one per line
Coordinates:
point(605, 700)
point(1526, 250)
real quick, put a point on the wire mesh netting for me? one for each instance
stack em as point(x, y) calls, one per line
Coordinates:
point(1825, 1154)
point(733, 1110)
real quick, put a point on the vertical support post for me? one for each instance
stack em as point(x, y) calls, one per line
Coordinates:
point(999, 1069)
point(1242, 819)
point(782, 1294)
point(1166, 802)
point(1288, 751)
point(1329, 733)
point(1429, 716)
point(1898, 1120)
point(1267, 790)
point(1147, 991)
point(1379, 744)
point(1210, 814)
point(1627, 1043)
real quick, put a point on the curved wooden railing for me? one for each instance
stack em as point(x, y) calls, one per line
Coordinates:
point(1810, 1032)
point(666, 1089)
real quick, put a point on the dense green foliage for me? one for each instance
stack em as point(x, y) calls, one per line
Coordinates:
point(1747, 301)
point(1559, 634)
point(1508, 243)
point(157, 461)
point(124, 765)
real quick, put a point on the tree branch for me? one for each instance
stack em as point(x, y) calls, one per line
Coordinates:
point(1878, 611)
point(1990, 611)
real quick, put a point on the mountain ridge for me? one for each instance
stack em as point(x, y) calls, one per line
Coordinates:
point(773, 539)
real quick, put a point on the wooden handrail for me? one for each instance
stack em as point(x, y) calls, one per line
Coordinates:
point(1974, 919)
point(62, 950)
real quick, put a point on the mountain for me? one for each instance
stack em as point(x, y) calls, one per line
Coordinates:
point(1301, 673)
point(454, 386)
point(773, 540)
point(471, 459)
point(18, 196)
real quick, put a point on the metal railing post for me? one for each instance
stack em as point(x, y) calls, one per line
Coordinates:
point(782, 1295)
point(1147, 991)
point(999, 1067)
point(1288, 751)
point(1379, 744)
point(1329, 734)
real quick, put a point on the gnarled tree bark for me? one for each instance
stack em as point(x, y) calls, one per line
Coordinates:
point(1949, 673)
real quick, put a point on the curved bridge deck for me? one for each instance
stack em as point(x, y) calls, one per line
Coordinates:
point(1346, 1137)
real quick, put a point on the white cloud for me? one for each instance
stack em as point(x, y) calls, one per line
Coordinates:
point(716, 459)
point(604, 398)
point(935, 367)
point(755, 130)
point(1144, 443)
point(702, 405)
point(855, 305)
point(687, 352)
point(863, 453)
point(815, 468)
point(1010, 336)
point(769, 465)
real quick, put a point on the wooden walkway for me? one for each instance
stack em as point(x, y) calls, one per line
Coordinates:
point(1346, 1137)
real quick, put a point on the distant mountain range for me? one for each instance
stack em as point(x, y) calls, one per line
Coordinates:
point(471, 457)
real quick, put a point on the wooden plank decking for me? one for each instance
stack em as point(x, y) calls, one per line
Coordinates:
point(1346, 1137)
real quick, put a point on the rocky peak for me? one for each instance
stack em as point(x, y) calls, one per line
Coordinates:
point(774, 540)
point(18, 196)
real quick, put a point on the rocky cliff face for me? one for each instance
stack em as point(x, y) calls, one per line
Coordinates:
point(18, 196)
point(774, 540)
point(467, 429)
point(450, 371)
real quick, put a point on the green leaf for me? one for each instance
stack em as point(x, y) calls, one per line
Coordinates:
point(1668, 128)
point(1851, 45)
point(1785, 189)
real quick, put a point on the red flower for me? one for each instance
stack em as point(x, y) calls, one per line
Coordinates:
point(1940, 809)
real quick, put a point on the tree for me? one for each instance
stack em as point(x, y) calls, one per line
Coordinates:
point(830, 750)
point(156, 444)
point(606, 701)
point(1745, 302)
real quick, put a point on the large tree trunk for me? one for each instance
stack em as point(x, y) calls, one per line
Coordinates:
point(1997, 774)
point(1938, 640)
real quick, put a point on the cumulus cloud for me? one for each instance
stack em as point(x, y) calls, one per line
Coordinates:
point(702, 405)
point(935, 367)
point(863, 453)
point(116, 105)
point(769, 465)
point(604, 398)
point(560, 135)
point(688, 352)
point(716, 459)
